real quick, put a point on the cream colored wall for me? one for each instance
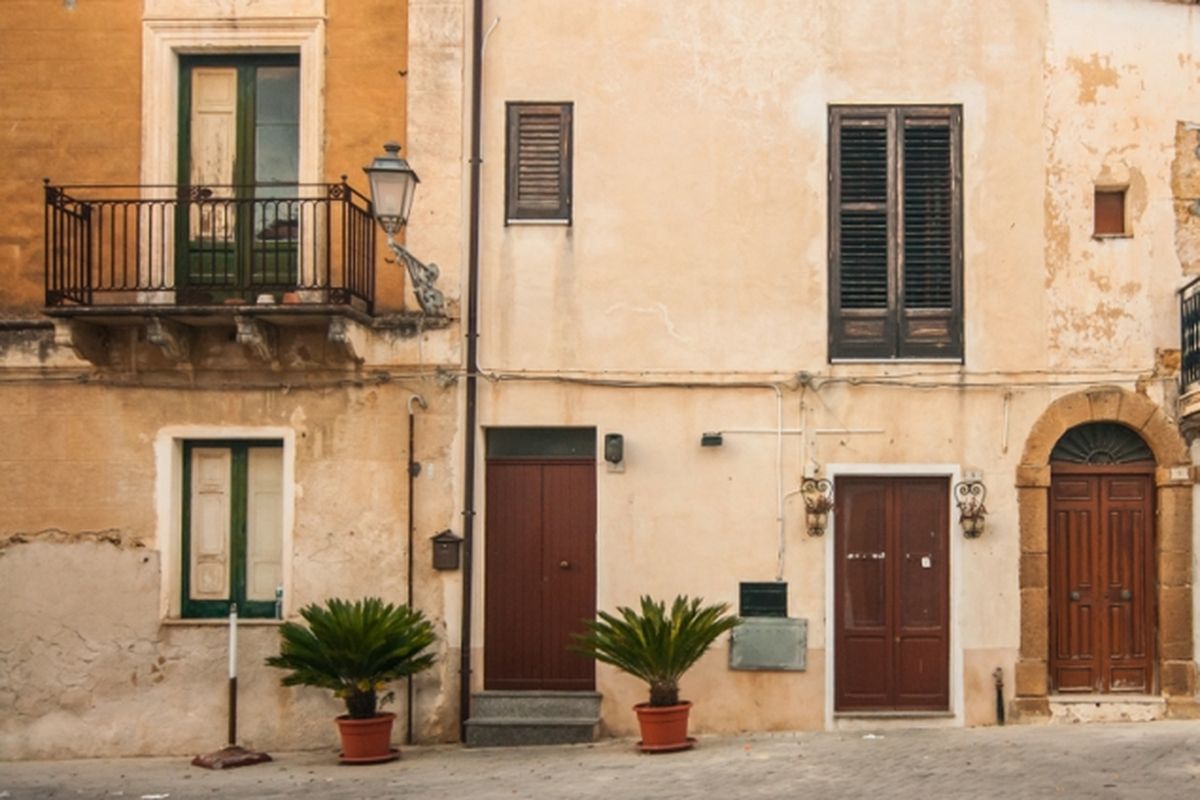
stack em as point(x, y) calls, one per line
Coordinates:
point(700, 173)
point(698, 255)
point(1115, 90)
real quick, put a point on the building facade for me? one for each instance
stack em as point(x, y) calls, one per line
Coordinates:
point(215, 376)
point(701, 265)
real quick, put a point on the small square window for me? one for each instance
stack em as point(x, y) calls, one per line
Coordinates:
point(1110, 212)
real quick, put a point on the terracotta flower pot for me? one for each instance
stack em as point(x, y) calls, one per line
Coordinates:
point(664, 728)
point(367, 741)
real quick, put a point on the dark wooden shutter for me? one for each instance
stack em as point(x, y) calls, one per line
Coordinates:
point(861, 324)
point(539, 162)
point(930, 316)
point(895, 220)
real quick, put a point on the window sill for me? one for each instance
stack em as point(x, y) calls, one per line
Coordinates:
point(1100, 237)
point(889, 361)
point(565, 223)
point(219, 622)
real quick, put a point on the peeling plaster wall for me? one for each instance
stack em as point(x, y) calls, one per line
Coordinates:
point(1116, 91)
point(90, 666)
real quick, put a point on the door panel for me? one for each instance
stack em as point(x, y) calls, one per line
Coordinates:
point(541, 514)
point(1101, 583)
point(892, 593)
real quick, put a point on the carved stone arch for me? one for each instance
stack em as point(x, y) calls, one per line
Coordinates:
point(1173, 542)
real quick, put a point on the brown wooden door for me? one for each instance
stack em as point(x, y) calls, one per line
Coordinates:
point(1101, 581)
point(541, 572)
point(892, 594)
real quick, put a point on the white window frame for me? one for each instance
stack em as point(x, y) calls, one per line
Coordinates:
point(168, 501)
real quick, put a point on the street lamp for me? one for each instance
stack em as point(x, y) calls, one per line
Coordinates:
point(393, 185)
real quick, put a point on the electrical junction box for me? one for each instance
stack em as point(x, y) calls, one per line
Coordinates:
point(769, 644)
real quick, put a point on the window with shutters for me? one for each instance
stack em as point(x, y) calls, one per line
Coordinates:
point(895, 239)
point(232, 527)
point(539, 163)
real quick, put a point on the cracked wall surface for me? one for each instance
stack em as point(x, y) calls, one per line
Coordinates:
point(91, 665)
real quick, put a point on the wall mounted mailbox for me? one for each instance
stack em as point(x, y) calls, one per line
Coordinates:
point(446, 550)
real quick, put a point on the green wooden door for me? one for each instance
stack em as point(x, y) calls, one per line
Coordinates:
point(238, 217)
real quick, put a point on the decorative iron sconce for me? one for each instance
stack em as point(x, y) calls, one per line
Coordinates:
point(818, 501)
point(972, 514)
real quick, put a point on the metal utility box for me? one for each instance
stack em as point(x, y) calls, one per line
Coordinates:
point(762, 599)
point(769, 643)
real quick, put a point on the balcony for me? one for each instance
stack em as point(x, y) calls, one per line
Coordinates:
point(1189, 366)
point(176, 259)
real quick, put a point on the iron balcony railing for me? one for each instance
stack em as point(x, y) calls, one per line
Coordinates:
point(1189, 316)
point(209, 245)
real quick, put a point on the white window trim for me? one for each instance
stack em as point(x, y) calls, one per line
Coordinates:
point(953, 472)
point(168, 503)
point(171, 28)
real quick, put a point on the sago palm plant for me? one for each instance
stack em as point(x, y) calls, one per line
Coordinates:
point(355, 649)
point(654, 645)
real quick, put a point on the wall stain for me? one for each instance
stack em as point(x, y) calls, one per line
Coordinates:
point(1094, 74)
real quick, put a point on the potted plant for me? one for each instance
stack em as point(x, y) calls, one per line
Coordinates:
point(658, 646)
point(356, 649)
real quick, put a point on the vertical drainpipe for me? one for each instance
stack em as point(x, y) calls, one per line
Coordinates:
point(464, 674)
point(413, 469)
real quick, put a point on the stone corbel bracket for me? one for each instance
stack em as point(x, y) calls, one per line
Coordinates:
point(259, 338)
point(89, 342)
point(344, 339)
point(173, 339)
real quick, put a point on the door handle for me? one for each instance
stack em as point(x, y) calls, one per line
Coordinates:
point(564, 564)
point(1126, 594)
point(1074, 595)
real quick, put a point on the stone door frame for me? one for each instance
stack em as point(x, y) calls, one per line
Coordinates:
point(1173, 543)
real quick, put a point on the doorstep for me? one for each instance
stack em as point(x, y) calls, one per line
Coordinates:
point(1073, 708)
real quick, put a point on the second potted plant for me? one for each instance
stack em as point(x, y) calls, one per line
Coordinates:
point(658, 646)
point(356, 649)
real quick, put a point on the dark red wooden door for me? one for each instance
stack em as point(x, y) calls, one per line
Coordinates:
point(540, 579)
point(892, 594)
point(1101, 579)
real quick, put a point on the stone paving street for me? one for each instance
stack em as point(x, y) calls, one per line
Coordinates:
point(1131, 760)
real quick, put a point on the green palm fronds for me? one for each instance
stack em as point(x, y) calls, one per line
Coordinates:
point(653, 645)
point(354, 649)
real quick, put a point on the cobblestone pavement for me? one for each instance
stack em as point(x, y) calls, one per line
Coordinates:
point(1141, 760)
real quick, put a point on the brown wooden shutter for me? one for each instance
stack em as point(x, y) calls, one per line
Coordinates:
point(539, 162)
point(930, 206)
point(895, 209)
point(860, 188)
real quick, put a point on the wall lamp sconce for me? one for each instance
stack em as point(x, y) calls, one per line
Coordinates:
point(712, 439)
point(818, 502)
point(972, 514)
point(393, 186)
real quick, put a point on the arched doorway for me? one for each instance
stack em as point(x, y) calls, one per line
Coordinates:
point(1171, 495)
point(1101, 559)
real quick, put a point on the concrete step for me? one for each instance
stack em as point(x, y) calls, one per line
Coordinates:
point(524, 705)
point(1107, 708)
point(514, 719)
point(504, 732)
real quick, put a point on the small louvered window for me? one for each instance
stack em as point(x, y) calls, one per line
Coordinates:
point(895, 232)
point(539, 162)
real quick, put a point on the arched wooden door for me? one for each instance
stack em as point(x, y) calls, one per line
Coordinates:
point(1102, 580)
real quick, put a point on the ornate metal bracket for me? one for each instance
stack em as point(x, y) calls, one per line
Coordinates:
point(818, 502)
point(972, 514)
point(423, 276)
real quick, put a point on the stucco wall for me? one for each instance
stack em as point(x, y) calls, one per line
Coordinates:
point(698, 254)
point(91, 667)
